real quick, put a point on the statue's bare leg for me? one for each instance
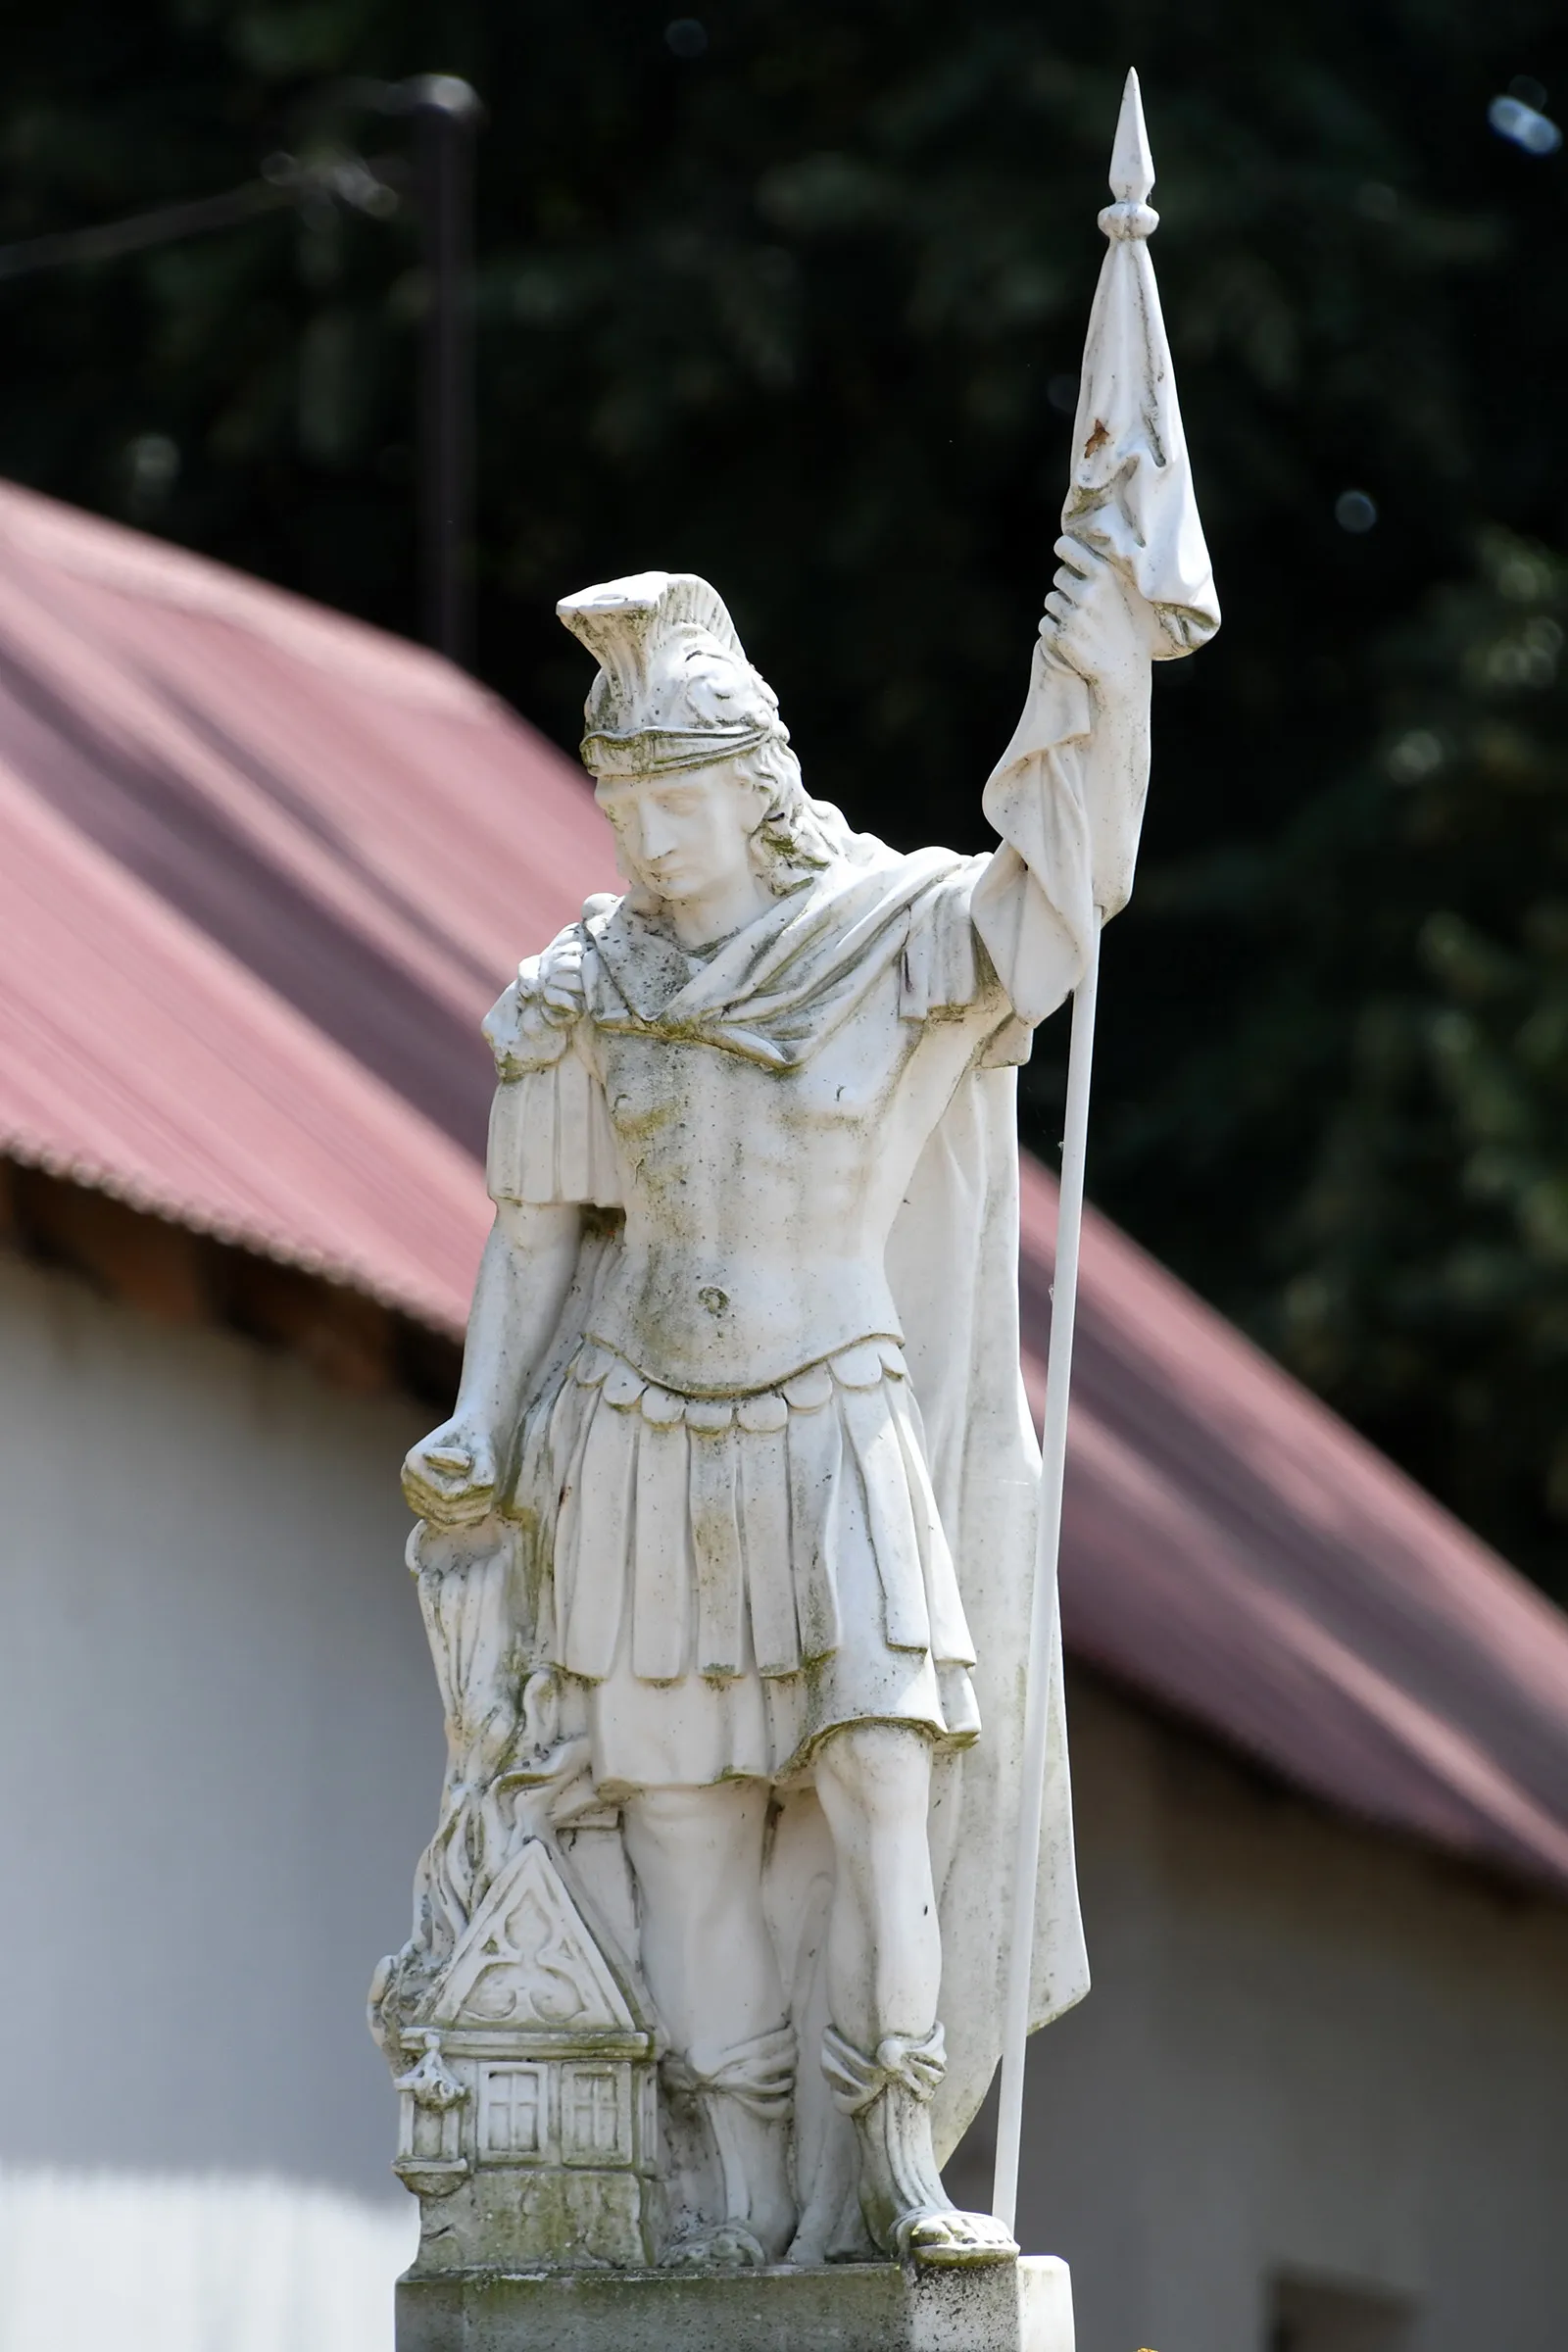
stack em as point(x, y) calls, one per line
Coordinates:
point(712, 1969)
point(883, 2054)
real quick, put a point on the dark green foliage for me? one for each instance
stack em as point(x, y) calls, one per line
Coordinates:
point(800, 310)
point(1420, 1276)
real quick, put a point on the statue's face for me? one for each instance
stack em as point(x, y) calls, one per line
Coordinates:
point(684, 837)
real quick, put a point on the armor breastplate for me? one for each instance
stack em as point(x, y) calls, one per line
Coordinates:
point(758, 1205)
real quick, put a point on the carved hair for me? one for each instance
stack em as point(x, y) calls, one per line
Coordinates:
point(797, 836)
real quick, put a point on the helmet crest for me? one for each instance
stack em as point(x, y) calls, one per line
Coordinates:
point(675, 688)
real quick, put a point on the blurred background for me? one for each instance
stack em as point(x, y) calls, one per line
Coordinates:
point(432, 318)
point(795, 297)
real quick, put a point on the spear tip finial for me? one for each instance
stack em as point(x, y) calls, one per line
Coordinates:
point(1132, 167)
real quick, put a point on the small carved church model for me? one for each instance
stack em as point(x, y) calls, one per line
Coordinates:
point(528, 2104)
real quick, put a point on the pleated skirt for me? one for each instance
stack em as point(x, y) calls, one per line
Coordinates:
point(727, 1581)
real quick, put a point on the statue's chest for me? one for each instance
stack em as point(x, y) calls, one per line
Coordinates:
point(686, 1108)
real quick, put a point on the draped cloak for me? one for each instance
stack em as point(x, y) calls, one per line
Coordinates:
point(774, 995)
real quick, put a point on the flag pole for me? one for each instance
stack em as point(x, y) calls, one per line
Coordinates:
point(1041, 1619)
point(1130, 499)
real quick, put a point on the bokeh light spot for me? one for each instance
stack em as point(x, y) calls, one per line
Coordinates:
point(1526, 125)
point(1355, 512)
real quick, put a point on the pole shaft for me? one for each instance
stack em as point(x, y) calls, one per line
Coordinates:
point(1041, 1618)
point(446, 171)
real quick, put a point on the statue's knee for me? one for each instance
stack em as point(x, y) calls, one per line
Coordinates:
point(699, 1830)
point(882, 1770)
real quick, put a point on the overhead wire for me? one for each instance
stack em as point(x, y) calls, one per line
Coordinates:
point(367, 185)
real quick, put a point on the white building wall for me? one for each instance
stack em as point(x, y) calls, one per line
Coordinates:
point(220, 1746)
point(1309, 2051)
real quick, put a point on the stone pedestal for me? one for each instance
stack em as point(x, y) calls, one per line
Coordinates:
point(852, 2307)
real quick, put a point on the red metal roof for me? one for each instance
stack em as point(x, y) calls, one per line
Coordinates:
point(263, 871)
point(1232, 1548)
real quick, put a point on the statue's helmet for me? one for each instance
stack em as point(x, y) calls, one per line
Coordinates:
point(675, 688)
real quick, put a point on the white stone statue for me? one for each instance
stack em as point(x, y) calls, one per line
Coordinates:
point(726, 1553)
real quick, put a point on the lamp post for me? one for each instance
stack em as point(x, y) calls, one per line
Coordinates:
point(446, 113)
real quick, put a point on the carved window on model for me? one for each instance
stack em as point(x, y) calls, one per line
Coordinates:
point(596, 2114)
point(1315, 2315)
point(513, 2112)
point(434, 2133)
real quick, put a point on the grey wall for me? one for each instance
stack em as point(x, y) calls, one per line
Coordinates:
point(220, 1746)
point(1310, 2053)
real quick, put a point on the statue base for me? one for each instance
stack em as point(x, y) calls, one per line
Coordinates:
point(850, 2306)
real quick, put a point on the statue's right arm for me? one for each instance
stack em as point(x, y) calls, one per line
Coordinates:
point(530, 1259)
point(551, 1155)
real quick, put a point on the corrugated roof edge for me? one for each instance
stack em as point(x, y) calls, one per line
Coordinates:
point(136, 564)
point(29, 1152)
